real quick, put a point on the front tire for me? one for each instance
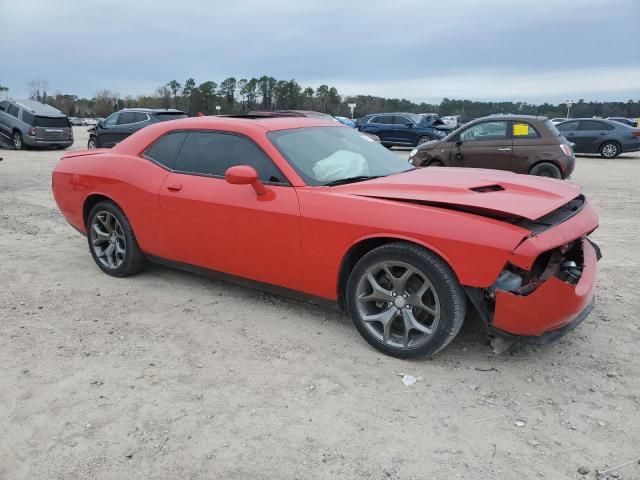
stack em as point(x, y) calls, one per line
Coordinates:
point(546, 169)
point(111, 240)
point(609, 150)
point(423, 139)
point(405, 301)
point(18, 143)
point(92, 144)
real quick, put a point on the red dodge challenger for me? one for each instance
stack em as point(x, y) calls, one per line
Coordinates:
point(310, 206)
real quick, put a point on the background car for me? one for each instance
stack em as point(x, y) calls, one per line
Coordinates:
point(626, 121)
point(119, 125)
point(521, 144)
point(307, 205)
point(403, 129)
point(346, 121)
point(34, 124)
point(559, 120)
point(606, 137)
point(75, 121)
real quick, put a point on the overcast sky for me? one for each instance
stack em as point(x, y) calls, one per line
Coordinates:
point(540, 50)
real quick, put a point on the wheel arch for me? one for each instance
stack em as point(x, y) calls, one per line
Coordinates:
point(363, 246)
point(611, 140)
point(91, 201)
point(552, 162)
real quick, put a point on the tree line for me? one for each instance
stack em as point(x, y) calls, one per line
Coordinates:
point(235, 96)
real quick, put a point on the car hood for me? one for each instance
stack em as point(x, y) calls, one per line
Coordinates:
point(485, 192)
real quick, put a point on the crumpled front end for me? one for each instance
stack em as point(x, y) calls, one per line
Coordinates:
point(548, 285)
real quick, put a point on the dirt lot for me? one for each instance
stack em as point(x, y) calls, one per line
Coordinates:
point(172, 375)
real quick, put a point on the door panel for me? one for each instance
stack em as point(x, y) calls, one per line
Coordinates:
point(228, 228)
point(484, 145)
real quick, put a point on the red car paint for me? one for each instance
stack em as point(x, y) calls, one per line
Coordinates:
point(298, 236)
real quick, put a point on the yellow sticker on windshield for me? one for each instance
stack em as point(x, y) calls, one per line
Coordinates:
point(520, 129)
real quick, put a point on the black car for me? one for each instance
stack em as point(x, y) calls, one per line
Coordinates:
point(119, 125)
point(606, 137)
point(404, 129)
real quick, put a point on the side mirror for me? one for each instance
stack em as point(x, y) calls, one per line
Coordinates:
point(245, 175)
point(100, 124)
point(459, 143)
point(408, 124)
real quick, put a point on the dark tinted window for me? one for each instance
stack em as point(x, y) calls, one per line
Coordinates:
point(13, 110)
point(27, 117)
point(594, 125)
point(3, 106)
point(568, 126)
point(401, 120)
point(210, 153)
point(131, 117)
point(54, 122)
point(523, 130)
point(165, 150)
point(163, 116)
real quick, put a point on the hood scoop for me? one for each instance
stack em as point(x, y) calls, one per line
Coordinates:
point(487, 188)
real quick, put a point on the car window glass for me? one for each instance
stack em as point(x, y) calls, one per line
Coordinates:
point(13, 110)
point(210, 153)
point(138, 117)
point(594, 125)
point(568, 126)
point(523, 130)
point(126, 118)
point(165, 150)
point(111, 120)
point(485, 131)
point(27, 117)
point(3, 106)
point(400, 120)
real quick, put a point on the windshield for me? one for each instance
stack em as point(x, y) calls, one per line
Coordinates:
point(323, 155)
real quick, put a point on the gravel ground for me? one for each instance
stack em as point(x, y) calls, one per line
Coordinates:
point(172, 375)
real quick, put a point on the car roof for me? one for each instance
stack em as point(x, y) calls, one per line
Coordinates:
point(38, 108)
point(507, 116)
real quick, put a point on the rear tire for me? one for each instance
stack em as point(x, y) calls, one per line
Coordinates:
point(18, 143)
point(405, 301)
point(112, 243)
point(610, 150)
point(546, 169)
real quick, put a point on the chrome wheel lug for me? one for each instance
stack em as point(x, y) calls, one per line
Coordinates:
point(394, 294)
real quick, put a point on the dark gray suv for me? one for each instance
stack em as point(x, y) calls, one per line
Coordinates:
point(119, 125)
point(28, 123)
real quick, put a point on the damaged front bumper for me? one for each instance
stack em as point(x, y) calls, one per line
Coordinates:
point(557, 269)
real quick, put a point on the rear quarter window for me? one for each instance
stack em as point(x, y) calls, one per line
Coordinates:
point(13, 111)
point(165, 149)
point(27, 117)
point(523, 131)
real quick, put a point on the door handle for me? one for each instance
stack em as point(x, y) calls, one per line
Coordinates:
point(174, 187)
point(504, 149)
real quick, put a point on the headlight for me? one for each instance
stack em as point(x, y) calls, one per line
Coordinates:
point(440, 133)
point(413, 152)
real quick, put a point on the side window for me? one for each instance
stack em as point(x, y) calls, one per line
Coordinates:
point(568, 126)
point(523, 130)
point(165, 150)
point(594, 125)
point(13, 110)
point(401, 120)
point(111, 120)
point(126, 118)
point(27, 117)
point(210, 153)
point(485, 131)
point(139, 117)
point(3, 106)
